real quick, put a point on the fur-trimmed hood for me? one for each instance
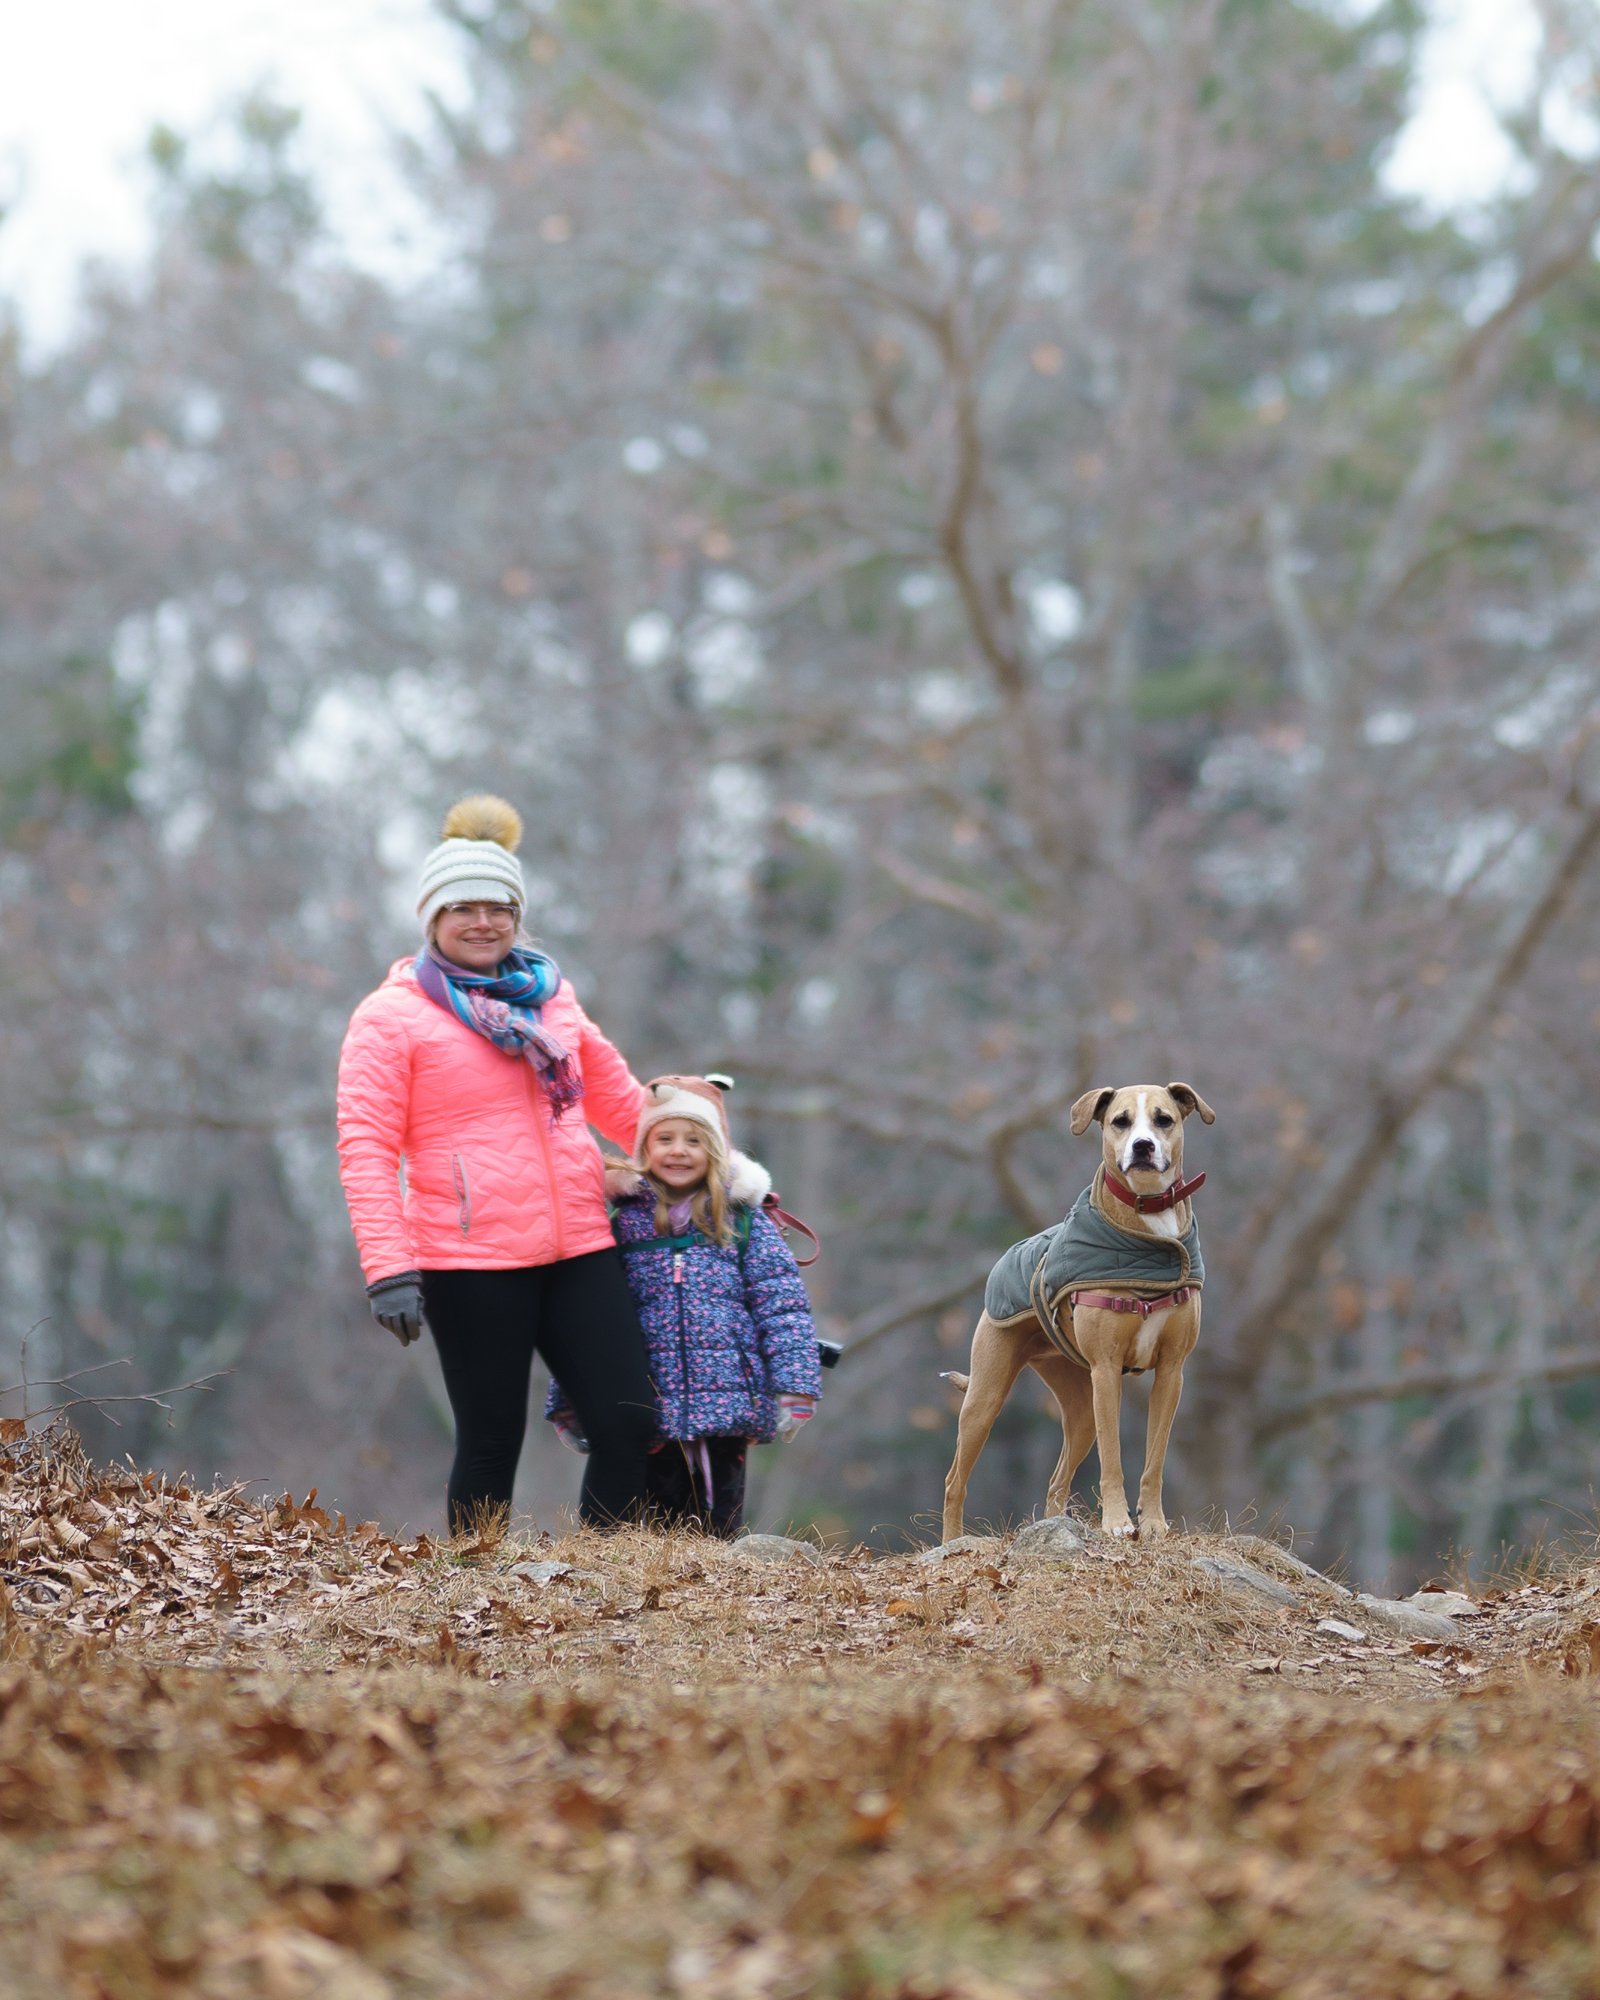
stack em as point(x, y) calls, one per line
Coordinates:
point(749, 1183)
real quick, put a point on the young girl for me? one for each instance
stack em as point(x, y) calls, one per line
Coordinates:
point(727, 1323)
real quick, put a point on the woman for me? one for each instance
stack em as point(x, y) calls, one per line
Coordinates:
point(474, 1068)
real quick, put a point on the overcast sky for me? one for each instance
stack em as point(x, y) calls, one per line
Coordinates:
point(83, 81)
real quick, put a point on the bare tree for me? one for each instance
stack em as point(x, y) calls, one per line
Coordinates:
point(998, 556)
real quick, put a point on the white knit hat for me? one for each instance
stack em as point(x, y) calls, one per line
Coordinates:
point(475, 862)
point(695, 1097)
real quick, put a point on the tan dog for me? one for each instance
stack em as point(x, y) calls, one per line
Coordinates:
point(1081, 1340)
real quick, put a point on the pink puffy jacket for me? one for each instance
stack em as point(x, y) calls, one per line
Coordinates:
point(490, 1183)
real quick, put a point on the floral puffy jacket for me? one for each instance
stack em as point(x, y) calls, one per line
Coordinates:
point(728, 1327)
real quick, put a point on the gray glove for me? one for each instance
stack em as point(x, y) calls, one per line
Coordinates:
point(397, 1304)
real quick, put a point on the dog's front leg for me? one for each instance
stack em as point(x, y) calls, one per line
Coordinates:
point(1164, 1393)
point(1106, 1378)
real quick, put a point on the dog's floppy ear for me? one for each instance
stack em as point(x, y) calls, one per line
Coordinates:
point(1091, 1105)
point(1189, 1099)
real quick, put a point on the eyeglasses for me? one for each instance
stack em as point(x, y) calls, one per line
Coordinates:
point(501, 915)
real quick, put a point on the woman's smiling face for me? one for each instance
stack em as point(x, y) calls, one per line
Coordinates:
point(475, 936)
point(677, 1155)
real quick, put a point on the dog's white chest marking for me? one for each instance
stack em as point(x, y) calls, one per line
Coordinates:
point(1144, 1348)
point(1164, 1222)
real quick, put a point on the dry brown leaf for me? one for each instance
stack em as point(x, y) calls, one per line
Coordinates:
point(873, 1818)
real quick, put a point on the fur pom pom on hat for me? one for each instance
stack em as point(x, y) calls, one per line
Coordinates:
point(476, 860)
point(482, 816)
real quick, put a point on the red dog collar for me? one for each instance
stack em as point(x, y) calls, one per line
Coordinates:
point(1153, 1204)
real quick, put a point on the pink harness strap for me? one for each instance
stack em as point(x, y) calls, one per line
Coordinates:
point(1143, 1307)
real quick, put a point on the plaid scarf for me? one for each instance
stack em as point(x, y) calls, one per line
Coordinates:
point(504, 1007)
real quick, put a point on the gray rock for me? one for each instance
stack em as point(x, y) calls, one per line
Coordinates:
point(1255, 1545)
point(962, 1545)
point(1541, 1621)
point(1055, 1540)
point(1340, 1630)
point(544, 1572)
point(1405, 1621)
point(1241, 1577)
point(774, 1549)
point(1448, 1603)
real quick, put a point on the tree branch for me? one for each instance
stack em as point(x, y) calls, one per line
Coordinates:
point(151, 1396)
point(1308, 659)
point(1479, 364)
point(1342, 1184)
point(945, 1290)
point(943, 895)
point(1361, 1389)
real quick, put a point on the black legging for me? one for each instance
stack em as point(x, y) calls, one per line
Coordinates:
point(580, 1316)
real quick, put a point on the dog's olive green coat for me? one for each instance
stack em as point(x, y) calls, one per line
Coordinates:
point(1085, 1250)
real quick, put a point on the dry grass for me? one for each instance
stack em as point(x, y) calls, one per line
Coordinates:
point(249, 1751)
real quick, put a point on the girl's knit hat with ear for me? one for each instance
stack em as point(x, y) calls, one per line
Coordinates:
point(476, 860)
point(699, 1098)
point(695, 1097)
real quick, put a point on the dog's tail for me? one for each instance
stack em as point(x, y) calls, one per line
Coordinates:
point(951, 1375)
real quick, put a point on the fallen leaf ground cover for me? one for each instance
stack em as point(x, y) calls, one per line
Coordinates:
point(249, 1749)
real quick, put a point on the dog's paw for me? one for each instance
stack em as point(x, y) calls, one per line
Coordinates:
point(1123, 1530)
point(1153, 1528)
